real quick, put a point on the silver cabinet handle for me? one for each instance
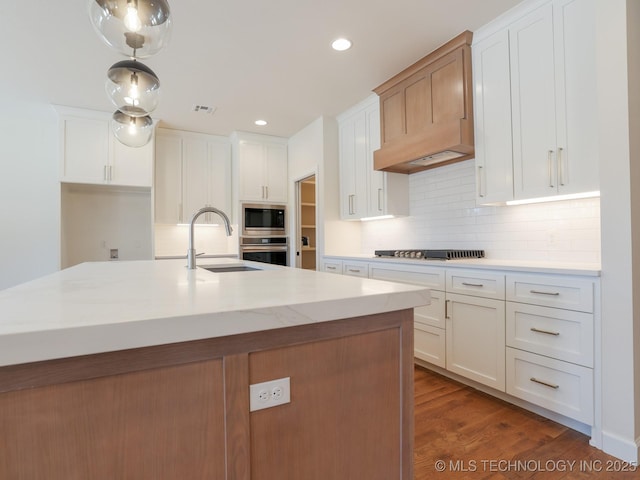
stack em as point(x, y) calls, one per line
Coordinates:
point(472, 284)
point(380, 199)
point(546, 332)
point(104, 173)
point(480, 172)
point(354, 270)
point(266, 192)
point(560, 167)
point(546, 384)
point(446, 309)
point(330, 267)
point(351, 204)
point(550, 169)
point(110, 173)
point(538, 292)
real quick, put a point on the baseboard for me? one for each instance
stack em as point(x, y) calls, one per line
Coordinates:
point(621, 448)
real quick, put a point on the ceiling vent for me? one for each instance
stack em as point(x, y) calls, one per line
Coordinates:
point(203, 109)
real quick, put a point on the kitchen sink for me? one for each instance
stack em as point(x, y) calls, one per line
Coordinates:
point(230, 268)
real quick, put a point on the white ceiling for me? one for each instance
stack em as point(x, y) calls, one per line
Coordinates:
point(250, 59)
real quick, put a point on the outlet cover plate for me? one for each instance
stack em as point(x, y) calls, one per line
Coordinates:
point(269, 394)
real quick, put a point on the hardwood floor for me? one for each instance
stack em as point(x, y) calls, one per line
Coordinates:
point(461, 433)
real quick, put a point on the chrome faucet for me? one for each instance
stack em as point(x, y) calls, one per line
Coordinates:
point(191, 253)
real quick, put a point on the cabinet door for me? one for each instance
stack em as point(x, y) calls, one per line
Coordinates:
point(494, 152)
point(168, 180)
point(275, 171)
point(131, 166)
point(575, 68)
point(475, 335)
point(353, 155)
point(219, 173)
point(195, 178)
point(377, 204)
point(533, 103)
point(85, 150)
point(251, 171)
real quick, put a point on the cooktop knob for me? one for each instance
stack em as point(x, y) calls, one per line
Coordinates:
point(396, 253)
point(412, 254)
point(418, 254)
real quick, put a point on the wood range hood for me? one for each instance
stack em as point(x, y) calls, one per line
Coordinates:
point(426, 111)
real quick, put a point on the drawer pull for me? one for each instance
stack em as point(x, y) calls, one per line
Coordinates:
point(546, 384)
point(446, 309)
point(534, 329)
point(538, 292)
point(472, 284)
point(330, 267)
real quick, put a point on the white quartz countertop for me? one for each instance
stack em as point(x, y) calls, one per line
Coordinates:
point(106, 306)
point(530, 266)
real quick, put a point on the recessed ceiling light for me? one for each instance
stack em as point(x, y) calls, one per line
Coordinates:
point(341, 44)
point(260, 123)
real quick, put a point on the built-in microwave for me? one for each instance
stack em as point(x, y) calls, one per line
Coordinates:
point(263, 220)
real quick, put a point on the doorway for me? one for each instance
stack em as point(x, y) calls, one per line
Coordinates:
point(306, 240)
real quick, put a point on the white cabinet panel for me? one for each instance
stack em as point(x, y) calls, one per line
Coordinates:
point(552, 291)
point(89, 153)
point(193, 170)
point(558, 386)
point(430, 344)
point(356, 269)
point(492, 110)
point(476, 339)
point(365, 192)
point(479, 283)
point(562, 334)
point(262, 170)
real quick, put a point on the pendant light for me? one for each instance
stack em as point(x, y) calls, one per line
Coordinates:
point(133, 88)
point(131, 131)
point(135, 28)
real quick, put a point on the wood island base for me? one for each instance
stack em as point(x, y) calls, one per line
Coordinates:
point(181, 411)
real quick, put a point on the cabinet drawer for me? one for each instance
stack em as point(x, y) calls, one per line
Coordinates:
point(559, 386)
point(562, 334)
point(432, 314)
point(571, 293)
point(332, 266)
point(356, 269)
point(476, 282)
point(429, 344)
point(431, 277)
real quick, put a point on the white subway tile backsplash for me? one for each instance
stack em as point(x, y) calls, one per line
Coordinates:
point(443, 214)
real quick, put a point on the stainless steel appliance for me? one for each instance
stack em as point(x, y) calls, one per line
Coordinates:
point(446, 254)
point(273, 250)
point(263, 220)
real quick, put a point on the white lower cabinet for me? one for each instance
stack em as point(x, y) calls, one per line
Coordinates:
point(528, 335)
point(550, 343)
point(475, 339)
point(558, 386)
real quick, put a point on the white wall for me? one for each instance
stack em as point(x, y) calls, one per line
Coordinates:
point(316, 148)
point(96, 219)
point(443, 214)
point(619, 183)
point(29, 191)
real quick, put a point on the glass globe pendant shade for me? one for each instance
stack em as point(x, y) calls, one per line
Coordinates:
point(133, 88)
point(135, 28)
point(132, 131)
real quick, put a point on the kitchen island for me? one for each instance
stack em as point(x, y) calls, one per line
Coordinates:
point(142, 370)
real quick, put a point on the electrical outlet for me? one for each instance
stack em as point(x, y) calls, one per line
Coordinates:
point(269, 394)
point(113, 254)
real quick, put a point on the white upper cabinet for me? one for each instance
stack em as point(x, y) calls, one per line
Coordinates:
point(261, 163)
point(365, 192)
point(553, 91)
point(192, 171)
point(536, 132)
point(493, 145)
point(89, 153)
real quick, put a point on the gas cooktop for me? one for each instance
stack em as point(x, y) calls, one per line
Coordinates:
point(431, 254)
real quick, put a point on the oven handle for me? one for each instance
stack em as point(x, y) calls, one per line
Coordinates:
point(264, 248)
